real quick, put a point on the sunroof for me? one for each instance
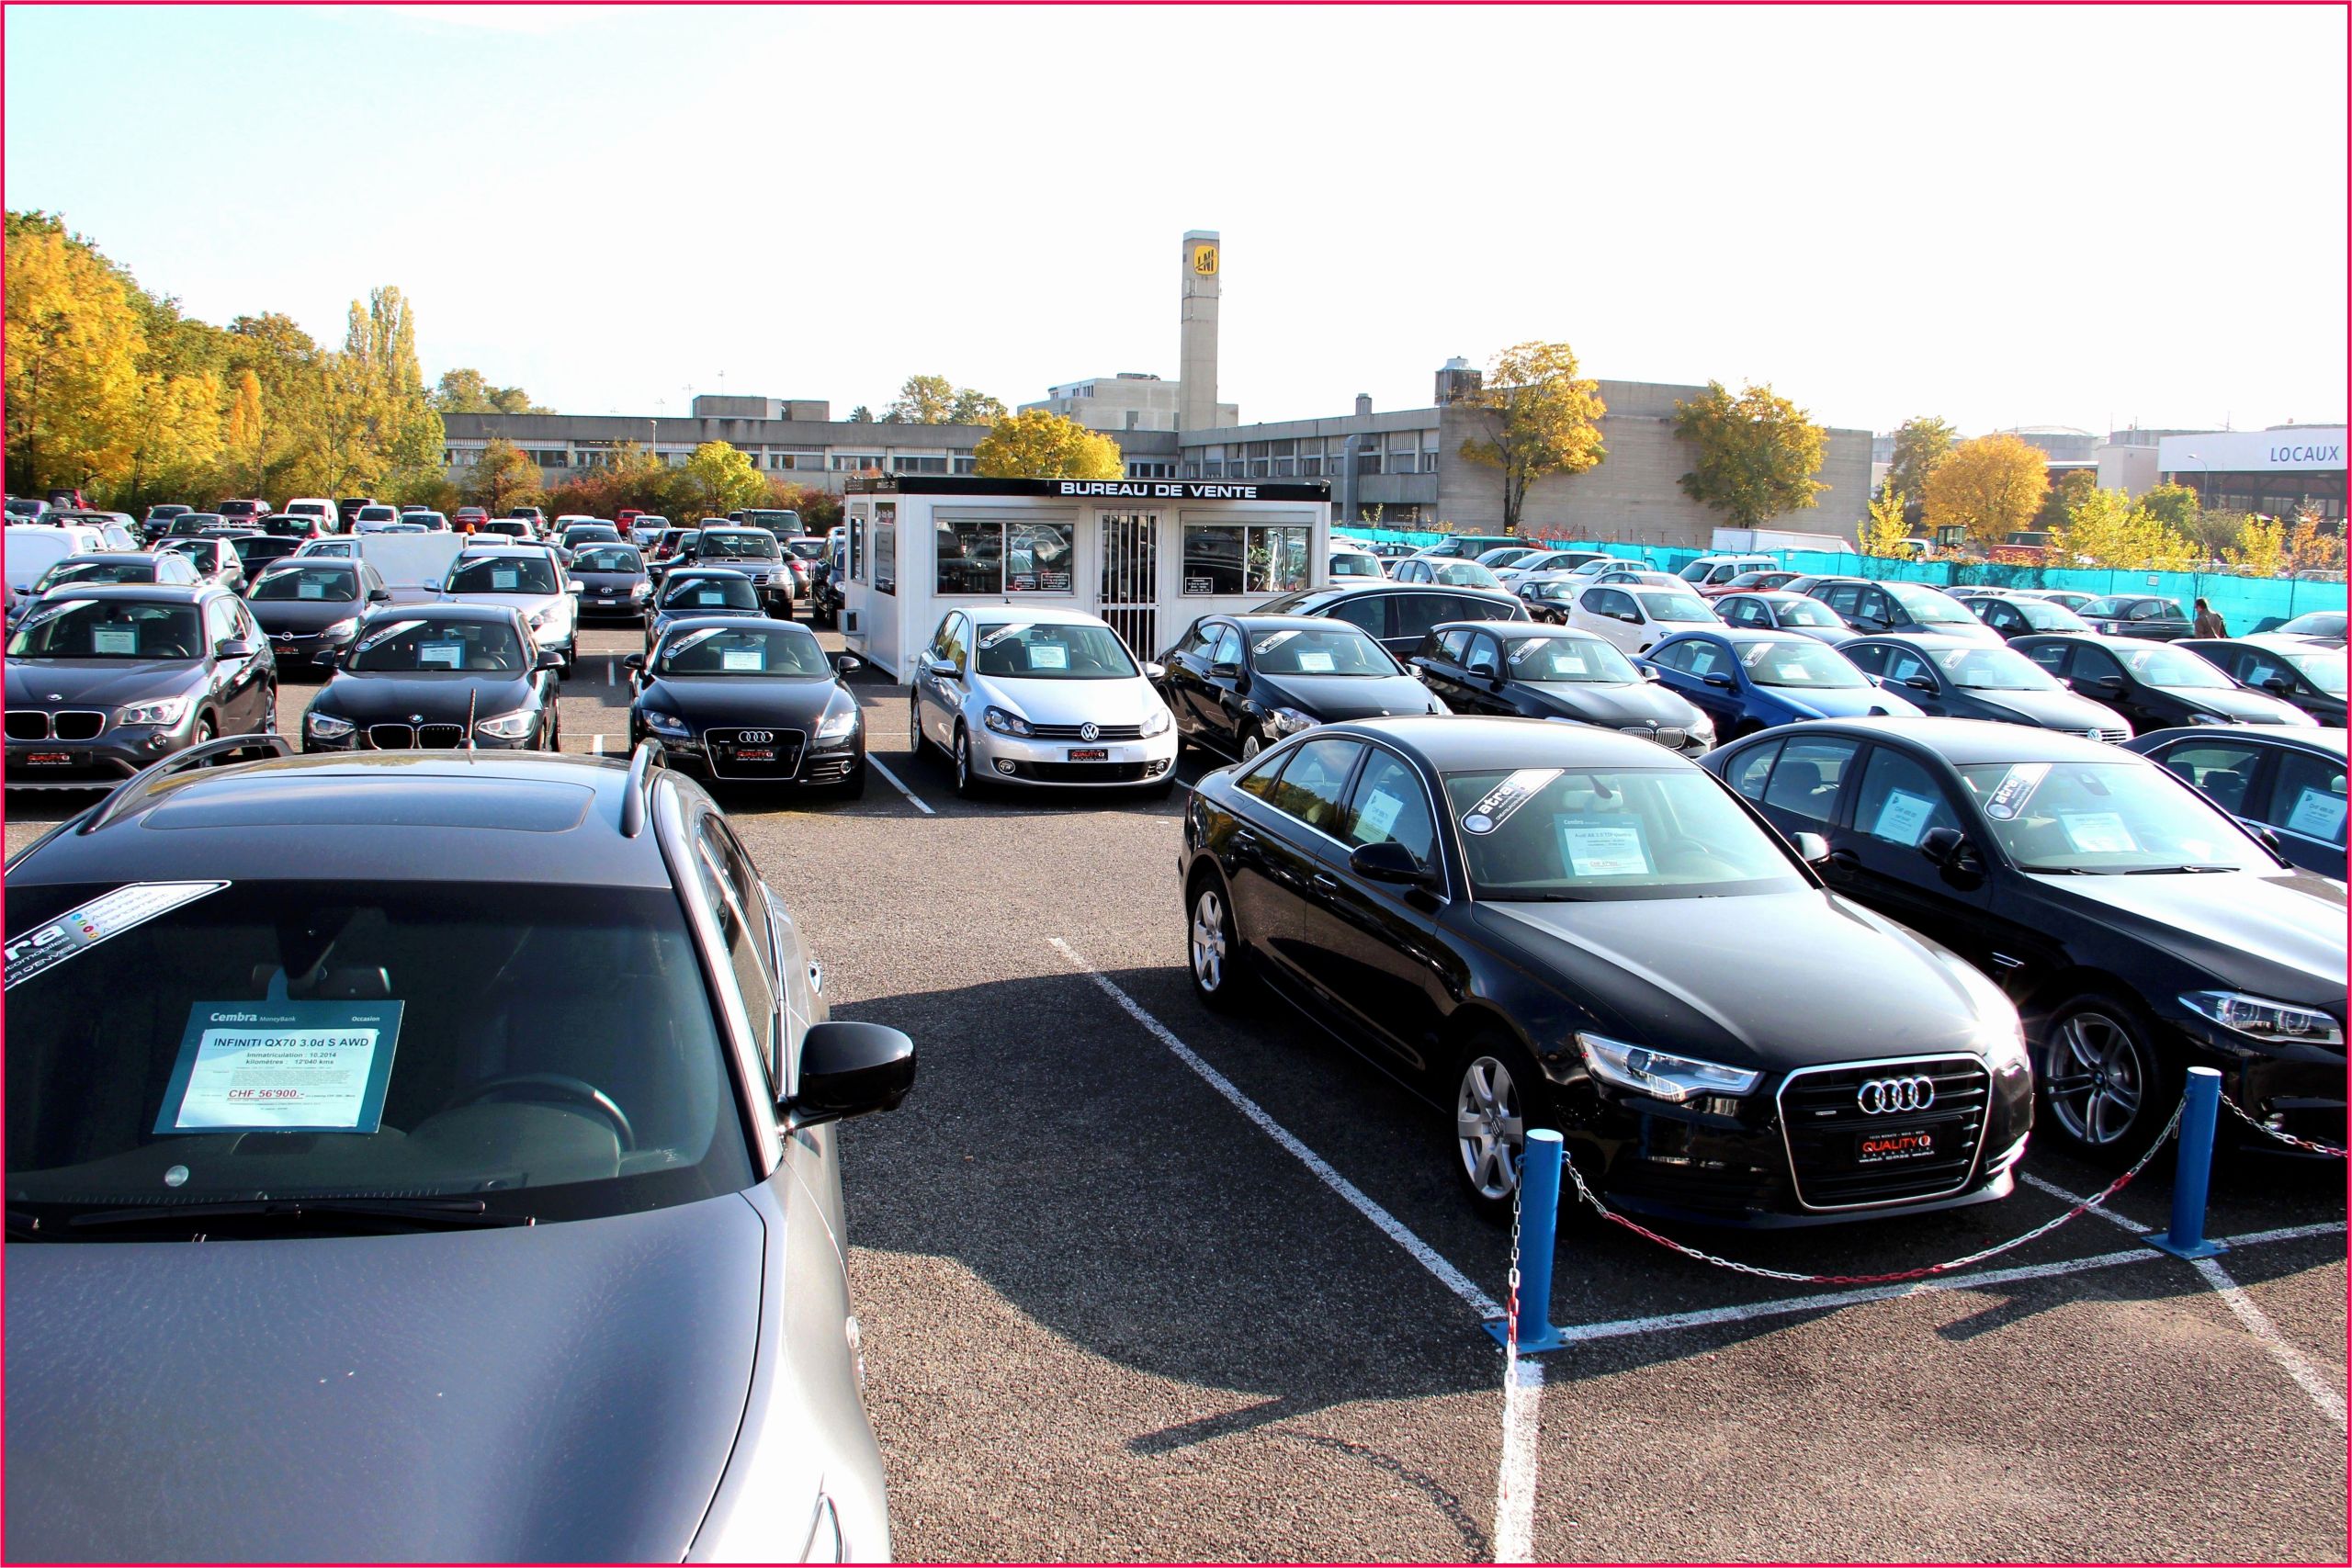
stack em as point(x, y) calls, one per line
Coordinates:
point(330, 800)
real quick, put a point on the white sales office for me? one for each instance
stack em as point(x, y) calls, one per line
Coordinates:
point(1148, 556)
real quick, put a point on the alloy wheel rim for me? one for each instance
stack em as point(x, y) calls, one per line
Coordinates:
point(2094, 1078)
point(1488, 1127)
point(1208, 939)
point(1251, 746)
point(963, 761)
point(914, 726)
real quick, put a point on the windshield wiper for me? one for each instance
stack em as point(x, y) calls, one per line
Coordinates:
point(2062, 871)
point(425, 1213)
point(2171, 870)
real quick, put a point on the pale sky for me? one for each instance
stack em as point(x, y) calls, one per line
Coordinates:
point(2001, 215)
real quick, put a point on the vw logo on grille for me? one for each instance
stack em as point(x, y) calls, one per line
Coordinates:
point(1885, 1097)
point(756, 737)
point(1089, 731)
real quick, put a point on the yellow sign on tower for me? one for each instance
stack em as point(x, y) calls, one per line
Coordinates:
point(1204, 260)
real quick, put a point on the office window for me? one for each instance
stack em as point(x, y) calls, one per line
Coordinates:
point(1236, 558)
point(1311, 467)
point(997, 558)
point(1258, 467)
point(855, 462)
point(907, 464)
point(1214, 468)
point(886, 548)
point(968, 464)
point(1285, 466)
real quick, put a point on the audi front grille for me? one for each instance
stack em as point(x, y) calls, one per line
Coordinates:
point(724, 748)
point(1823, 1125)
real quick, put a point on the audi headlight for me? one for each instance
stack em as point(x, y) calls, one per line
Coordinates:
point(1658, 1074)
point(839, 723)
point(326, 727)
point(668, 726)
point(1288, 721)
point(1005, 723)
point(1157, 722)
point(2003, 1043)
point(341, 631)
point(165, 713)
point(2264, 1019)
point(508, 726)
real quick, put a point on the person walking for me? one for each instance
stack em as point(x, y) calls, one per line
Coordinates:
point(2208, 622)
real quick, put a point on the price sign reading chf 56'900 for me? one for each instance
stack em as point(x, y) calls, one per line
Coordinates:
point(282, 1067)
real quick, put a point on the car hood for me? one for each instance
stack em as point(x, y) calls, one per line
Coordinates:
point(1780, 981)
point(795, 704)
point(304, 615)
point(2279, 935)
point(441, 697)
point(2253, 707)
point(596, 579)
point(98, 683)
point(1637, 703)
point(558, 1393)
point(2051, 710)
point(1840, 702)
point(1334, 698)
point(1126, 701)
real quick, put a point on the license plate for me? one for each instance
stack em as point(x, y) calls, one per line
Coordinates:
point(1894, 1148)
point(1090, 754)
point(51, 759)
point(755, 753)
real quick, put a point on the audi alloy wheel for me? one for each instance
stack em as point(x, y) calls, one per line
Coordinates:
point(1489, 1127)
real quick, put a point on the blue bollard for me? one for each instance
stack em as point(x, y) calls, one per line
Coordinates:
point(1539, 1230)
point(2193, 1172)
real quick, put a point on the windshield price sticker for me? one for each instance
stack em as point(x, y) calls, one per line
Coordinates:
point(1595, 850)
point(743, 659)
point(310, 590)
point(1313, 662)
point(1903, 817)
point(1046, 656)
point(114, 641)
point(2097, 832)
point(2317, 814)
point(110, 915)
point(2015, 788)
point(1494, 809)
point(448, 655)
point(281, 1067)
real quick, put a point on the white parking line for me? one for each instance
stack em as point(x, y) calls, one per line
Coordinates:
point(1515, 1485)
point(880, 767)
point(595, 746)
point(611, 664)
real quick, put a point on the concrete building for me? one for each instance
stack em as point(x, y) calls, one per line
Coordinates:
point(2276, 472)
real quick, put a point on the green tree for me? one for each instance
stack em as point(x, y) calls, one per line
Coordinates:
point(1545, 419)
point(1988, 487)
point(861, 416)
point(2063, 497)
point(74, 342)
point(973, 407)
point(1038, 444)
point(1757, 453)
point(935, 399)
point(723, 479)
point(466, 390)
point(502, 476)
point(1884, 527)
point(1920, 443)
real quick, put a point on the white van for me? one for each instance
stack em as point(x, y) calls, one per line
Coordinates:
point(1713, 572)
point(412, 565)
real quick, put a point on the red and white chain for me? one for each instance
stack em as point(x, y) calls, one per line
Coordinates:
point(2241, 1113)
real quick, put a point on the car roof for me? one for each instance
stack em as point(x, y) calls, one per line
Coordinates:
point(150, 593)
point(1748, 634)
point(503, 552)
point(1963, 742)
point(1466, 742)
point(2101, 639)
point(734, 624)
point(1928, 642)
point(442, 610)
point(1518, 629)
point(1321, 598)
point(689, 573)
point(1771, 597)
point(2269, 642)
point(2328, 742)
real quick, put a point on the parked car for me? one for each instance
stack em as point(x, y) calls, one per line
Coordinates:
point(700, 592)
point(1638, 577)
point(1446, 574)
point(1891, 606)
point(1752, 583)
point(612, 581)
point(437, 677)
point(490, 530)
point(604, 1141)
point(1239, 683)
point(1546, 925)
point(195, 524)
point(2065, 598)
point(1746, 680)
point(317, 510)
point(2017, 616)
point(370, 518)
point(2139, 929)
point(523, 579)
point(1503, 556)
point(1777, 612)
point(103, 680)
point(2292, 669)
point(214, 558)
point(469, 519)
point(1537, 561)
point(753, 552)
point(256, 551)
point(27, 508)
point(743, 699)
point(1948, 678)
point(2286, 783)
point(2153, 686)
point(1507, 670)
point(1549, 597)
point(2138, 615)
point(1038, 694)
point(114, 566)
point(531, 518)
point(2320, 626)
point(159, 518)
point(1717, 572)
point(1397, 615)
point(346, 510)
point(1466, 546)
point(312, 606)
point(646, 523)
point(1354, 562)
point(30, 549)
point(244, 514)
point(1635, 616)
point(425, 517)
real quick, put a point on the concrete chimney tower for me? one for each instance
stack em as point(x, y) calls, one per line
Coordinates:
point(1196, 366)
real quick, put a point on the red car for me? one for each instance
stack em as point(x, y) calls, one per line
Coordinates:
point(1749, 582)
point(466, 519)
point(244, 514)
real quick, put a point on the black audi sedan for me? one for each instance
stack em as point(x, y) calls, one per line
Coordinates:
point(1545, 925)
point(2154, 684)
point(437, 677)
point(701, 592)
point(1509, 671)
point(2139, 929)
point(2292, 669)
point(103, 680)
point(751, 702)
point(307, 606)
point(1952, 679)
point(612, 581)
point(1239, 683)
point(2287, 782)
point(1399, 615)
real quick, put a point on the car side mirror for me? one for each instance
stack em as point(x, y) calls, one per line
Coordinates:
point(2108, 684)
point(1154, 671)
point(1226, 670)
point(327, 656)
point(232, 647)
point(849, 1069)
point(1812, 848)
point(633, 661)
point(2283, 685)
point(548, 659)
point(2269, 839)
point(847, 664)
point(379, 595)
point(1389, 861)
point(1918, 683)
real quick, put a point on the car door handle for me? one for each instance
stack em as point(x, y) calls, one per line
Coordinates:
point(1324, 882)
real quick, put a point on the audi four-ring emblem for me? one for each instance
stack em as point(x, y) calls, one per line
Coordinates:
point(756, 737)
point(1885, 1097)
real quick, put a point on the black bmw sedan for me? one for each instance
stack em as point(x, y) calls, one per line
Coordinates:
point(437, 677)
point(1545, 671)
point(701, 592)
point(1544, 925)
point(2139, 929)
point(308, 606)
point(750, 701)
point(1952, 679)
point(1239, 683)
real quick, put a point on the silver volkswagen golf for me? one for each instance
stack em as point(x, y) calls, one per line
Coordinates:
point(522, 1216)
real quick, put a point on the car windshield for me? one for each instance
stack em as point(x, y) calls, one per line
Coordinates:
point(108, 628)
point(2044, 616)
point(749, 650)
point(735, 543)
point(1928, 606)
point(2158, 665)
point(1351, 563)
point(192, 522)
point(1672, 605)
point(1803, 611)
point(393, 1041)
point(609, 557)
point(338, 584)
point(1992, 669)
point(808, 549)
point(2325, 670)
point(688, 594)
point(88, 573)
point(2320, 623)
point(599, 534)
point(1031, 651)
point(1334, 649)
point(413, 644)
point(1579, 834)
point(502, 574)
point(1806, 663)
point(1558, 592)
point(1583, 661)
point(198, 550)
point(2104, 816)
point(1463, 574)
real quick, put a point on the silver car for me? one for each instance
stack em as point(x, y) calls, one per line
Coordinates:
point(1021, 694)
point(527, 579)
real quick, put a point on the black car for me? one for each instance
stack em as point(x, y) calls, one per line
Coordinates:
point(2145, 616)
point(2139, 929)
point(89, 571)
point(2288, 783)
point(613, 580)
point(1951, 679)
point(193, 524)
point(437, 677)
point(2294, 670)
point(1544, 925)
point(1549, 598)
point(1239, 683)
point(700, 590)
point(309, 607)
point(103, 680)
point(159, 518)
point(1398, 614)
point(256, 551)
point(1892, 606)
point(1766, 610)
point(1515, 672)
point(214, 558)
point(580, 533)
point(2020, 616)
point(2151, 685)
point(750, 701)
point(752, 551)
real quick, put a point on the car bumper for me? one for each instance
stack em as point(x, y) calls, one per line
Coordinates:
point(100, 763)
point(830, 762)
point(2299, 1089)
point(1008, 760)
point(616, 604)
point(360, 741)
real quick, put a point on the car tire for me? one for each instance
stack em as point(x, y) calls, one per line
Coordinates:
point(2107, 1089)
point(1498, 1094)
point(967, 778)
point(205, 731)
point(1213, 956)
point(269, 710)
point(918, 744)
point(1252, 742)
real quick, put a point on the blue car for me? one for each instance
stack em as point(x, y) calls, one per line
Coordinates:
point(1748, 681)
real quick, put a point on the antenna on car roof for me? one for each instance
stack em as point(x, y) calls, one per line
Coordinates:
point(472, 697)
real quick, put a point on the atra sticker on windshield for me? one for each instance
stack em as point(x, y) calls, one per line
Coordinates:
point(2016, 787)
point(377, 638)
point(282, 1067)
point(83, 928)
point(1494, 809)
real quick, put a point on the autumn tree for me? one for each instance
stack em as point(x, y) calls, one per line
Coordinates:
point(1757, 453)
point(2063, 498)
point(1989, 488)
point(1920, 443)
point(723, 479)
point(2260, 548)
point(1884, 527)
point(466, 390)
point(2309, 549)
point(1039, 445)
point(247, 438)
point(1543, 421)
point(73, 340)
point(502, 476)
point(2107, 528)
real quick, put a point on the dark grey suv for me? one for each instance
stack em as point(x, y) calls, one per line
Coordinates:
point(501, 1089)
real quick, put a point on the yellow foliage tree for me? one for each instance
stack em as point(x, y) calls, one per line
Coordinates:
point(74, 343)
point(1883, 529)
point(2260, 548)
point(1036, 444)
point(248, 440)
point(1547, 421)
point(2107, 528)
point(724, 479)
point(1990, 488)
point(2308, 549)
